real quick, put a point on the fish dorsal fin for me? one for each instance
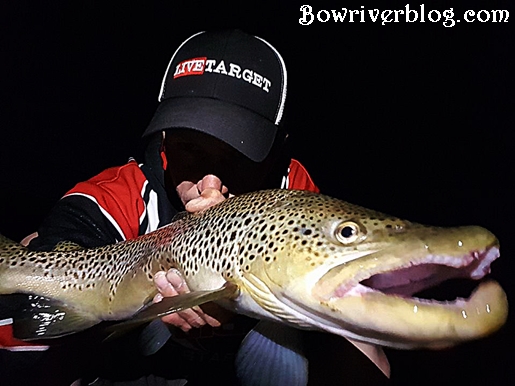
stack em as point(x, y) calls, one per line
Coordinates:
point(272, 354)
point(170, 305)
point(65, 246)
point(8, 249)
point(39, 317)
point(7, 246)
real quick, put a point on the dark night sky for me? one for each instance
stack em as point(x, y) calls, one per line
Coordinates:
point(412, 119)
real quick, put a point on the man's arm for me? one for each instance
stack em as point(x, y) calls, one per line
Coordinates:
point(195, 197)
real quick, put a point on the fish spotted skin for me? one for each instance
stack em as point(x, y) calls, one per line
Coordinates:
point(299, 258)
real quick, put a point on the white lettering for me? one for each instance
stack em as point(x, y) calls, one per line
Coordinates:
point(430, 17)
point(480, 18)
point(179, 69)
point(467, 14)
point(397, 12)
point(306, 11)
point(384, 18)
point(247, 75)
point(503, 15)
point(337, 16)
point(408, 14)
point(351, 15)
point(411, 15)
point(234, 70)
point(209, 65)
point(266, 84)
point(258, 79)
point(220, 69)
point(198, 66)
point(189, 67)
point(374, 14)
point(449, 17)
point(362, 12)
point(327, 14)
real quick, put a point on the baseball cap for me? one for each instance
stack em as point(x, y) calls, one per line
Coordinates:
point(227, 84)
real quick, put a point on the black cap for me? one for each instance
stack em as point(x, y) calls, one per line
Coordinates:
point(228, 84)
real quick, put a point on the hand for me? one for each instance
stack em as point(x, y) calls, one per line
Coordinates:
point(172, 283)
point(202, 195)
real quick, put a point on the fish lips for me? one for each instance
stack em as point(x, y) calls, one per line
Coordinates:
point(375, 301)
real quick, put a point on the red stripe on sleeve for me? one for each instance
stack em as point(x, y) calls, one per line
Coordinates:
point(118, 191)
point(299, 178)
point(7, 341)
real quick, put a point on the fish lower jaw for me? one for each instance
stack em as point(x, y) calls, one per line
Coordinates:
point(400, 322)
point(382, 304)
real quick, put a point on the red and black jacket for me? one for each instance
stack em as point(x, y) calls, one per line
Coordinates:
point(120, 203)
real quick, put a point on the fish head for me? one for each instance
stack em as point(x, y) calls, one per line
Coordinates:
point(334, 266)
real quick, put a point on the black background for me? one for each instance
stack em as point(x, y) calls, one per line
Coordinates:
point(413, 119)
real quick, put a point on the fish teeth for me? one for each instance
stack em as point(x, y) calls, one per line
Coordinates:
point(450, 261)
point(484, 266)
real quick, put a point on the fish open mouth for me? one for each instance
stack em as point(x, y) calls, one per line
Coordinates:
point(422, 279)
point(396, 306)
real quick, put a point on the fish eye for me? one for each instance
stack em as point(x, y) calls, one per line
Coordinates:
point(347, 232)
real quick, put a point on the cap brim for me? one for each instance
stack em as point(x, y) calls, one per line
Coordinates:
point(246, 131)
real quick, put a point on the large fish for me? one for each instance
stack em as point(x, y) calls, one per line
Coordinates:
point(297, 258)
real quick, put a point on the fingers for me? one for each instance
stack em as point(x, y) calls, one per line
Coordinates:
point(187, 191)
point(172, 283)
point(207, 192)
point(27, 239)
point(211, 182)
point(208, 198)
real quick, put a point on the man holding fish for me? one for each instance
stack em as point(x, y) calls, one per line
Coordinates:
point(295, 259)
point(217, 132)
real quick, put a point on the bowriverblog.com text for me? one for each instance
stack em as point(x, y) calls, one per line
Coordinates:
point(408, 14)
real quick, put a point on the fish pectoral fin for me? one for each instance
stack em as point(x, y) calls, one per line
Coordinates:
point(170, 305)
point(39, 317)
point(375, 354)
point(272, 354)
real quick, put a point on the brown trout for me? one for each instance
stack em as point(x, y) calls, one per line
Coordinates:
point(301, 259)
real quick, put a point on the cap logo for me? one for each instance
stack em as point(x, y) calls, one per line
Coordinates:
point(193, 66)
point(197, 66)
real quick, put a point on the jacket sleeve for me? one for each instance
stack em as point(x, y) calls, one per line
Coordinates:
point(299, 178)
point(105, 209)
